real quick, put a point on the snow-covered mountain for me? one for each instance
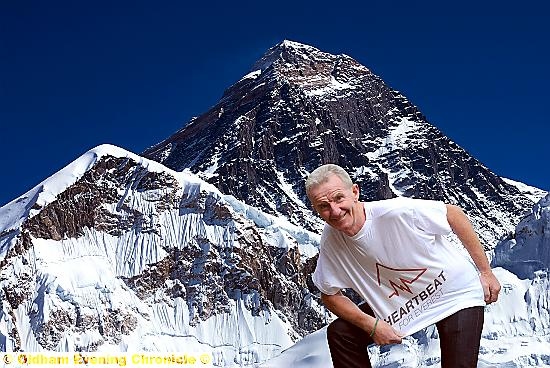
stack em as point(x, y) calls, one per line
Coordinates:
point(117, 252)
point(300, 107)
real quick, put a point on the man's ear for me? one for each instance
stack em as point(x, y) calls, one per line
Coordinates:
point(355, 191)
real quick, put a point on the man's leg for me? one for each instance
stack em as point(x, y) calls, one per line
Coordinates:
point(459, 338)
point(348, 343)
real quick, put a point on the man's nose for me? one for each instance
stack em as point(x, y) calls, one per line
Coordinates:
point(334, 209)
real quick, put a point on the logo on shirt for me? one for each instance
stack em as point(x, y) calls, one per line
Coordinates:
point(398, 279)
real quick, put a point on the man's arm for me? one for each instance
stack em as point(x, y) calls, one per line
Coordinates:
point(461, 226)
point(344, 308)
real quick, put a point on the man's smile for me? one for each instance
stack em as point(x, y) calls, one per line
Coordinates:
point(339, 218)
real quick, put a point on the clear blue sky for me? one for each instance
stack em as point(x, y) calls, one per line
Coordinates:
point(77, 74)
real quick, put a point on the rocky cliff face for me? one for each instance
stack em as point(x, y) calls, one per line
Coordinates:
point(299, 108)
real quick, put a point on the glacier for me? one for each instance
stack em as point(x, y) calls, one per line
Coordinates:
point(84, 292)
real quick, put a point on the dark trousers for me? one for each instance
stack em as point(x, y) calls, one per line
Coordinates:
point(459, 338)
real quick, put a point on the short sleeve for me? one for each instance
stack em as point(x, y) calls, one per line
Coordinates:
point(326, 276)
point(431, 216)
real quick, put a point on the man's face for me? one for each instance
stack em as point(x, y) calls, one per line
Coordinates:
point(336, 203)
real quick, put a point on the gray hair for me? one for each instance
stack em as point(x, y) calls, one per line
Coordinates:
point(323, 173)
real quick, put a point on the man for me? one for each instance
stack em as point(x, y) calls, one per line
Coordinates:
point(394, 254)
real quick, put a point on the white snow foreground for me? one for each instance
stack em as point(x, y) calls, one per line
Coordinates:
point(80, 278)
point(516, 333)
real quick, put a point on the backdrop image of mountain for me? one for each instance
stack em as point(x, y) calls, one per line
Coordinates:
point(205, 243)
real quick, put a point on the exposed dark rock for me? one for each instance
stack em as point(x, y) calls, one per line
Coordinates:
point(210, 272)
point(111, 325)
point(82, 204)
point(307, 108)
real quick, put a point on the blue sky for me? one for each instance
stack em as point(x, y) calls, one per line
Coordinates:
point(77, 74)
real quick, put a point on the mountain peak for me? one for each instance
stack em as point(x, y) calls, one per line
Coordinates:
point(294, 45)
point(310, 69)
point(29, 204)
point(290, 52)
point(302, 107)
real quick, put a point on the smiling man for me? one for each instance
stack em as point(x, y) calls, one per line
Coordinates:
point(394, 254)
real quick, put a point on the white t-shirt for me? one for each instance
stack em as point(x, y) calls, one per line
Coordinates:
point(401, 264)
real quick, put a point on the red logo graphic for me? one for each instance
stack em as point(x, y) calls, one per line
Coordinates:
point(398, 278)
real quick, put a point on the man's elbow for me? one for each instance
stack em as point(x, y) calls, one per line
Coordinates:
point(325, 298)
point(328, 299)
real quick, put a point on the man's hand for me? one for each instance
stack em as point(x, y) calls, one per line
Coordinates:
point(491, 286)
point(344, 308)
point(385, 334)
